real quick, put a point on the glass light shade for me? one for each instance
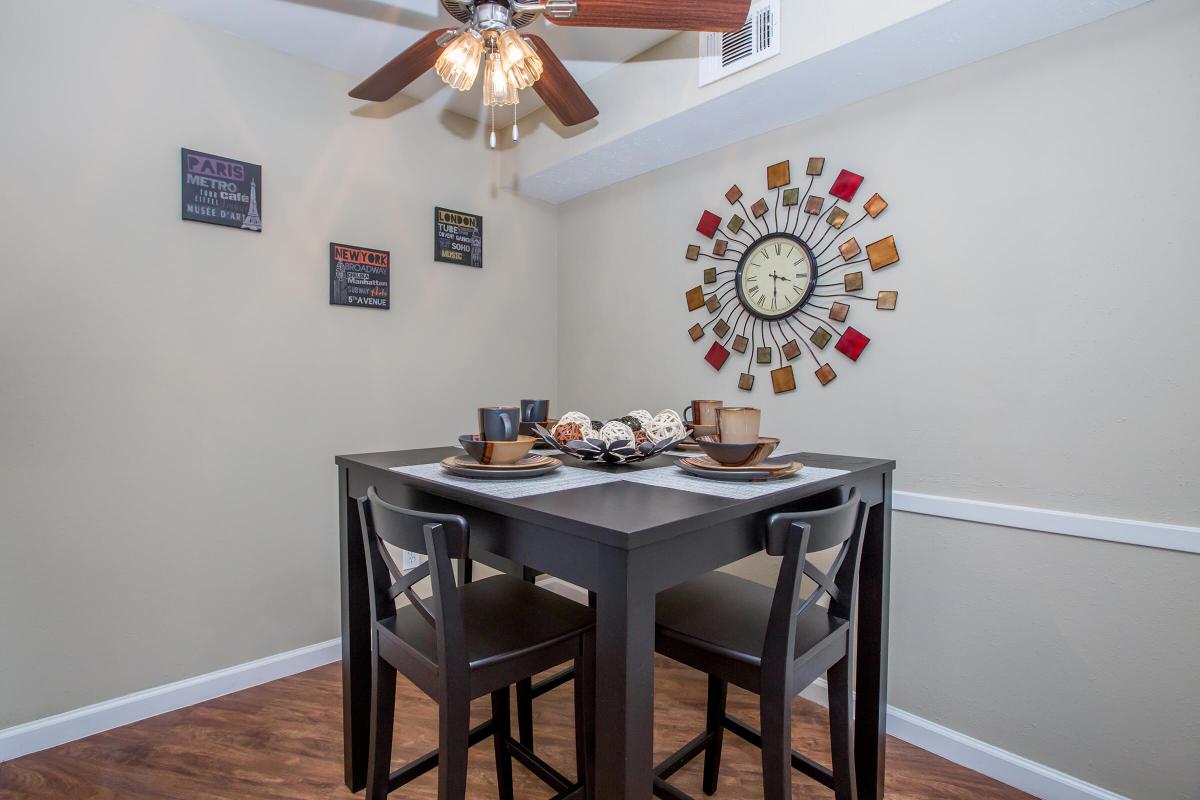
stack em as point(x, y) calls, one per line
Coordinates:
point(459, 62)
point(497, 91)
point(521, 62)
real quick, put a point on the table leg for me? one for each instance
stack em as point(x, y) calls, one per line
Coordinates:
point(356, 640)
point(624, 677)
point(870, 712)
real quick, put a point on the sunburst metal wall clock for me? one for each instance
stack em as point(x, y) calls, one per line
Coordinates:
point(794, 274)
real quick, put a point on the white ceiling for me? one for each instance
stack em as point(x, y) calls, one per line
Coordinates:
point(359, 36)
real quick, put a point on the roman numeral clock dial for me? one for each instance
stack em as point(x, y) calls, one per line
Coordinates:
point(760, 306)
point(775, 276)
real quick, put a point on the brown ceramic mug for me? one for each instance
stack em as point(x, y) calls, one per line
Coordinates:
point(703, 412)
point(738, 425)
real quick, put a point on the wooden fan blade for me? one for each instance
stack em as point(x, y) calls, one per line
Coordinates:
point(558, 88)
point(402, 70)
point(676, 15)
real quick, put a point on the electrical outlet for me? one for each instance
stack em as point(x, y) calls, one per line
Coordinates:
point(409, 560)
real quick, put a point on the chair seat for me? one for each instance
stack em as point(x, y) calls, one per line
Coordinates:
point(503, 617)
point(727, 616)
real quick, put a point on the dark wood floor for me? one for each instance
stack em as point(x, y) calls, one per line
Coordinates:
point(283, 740)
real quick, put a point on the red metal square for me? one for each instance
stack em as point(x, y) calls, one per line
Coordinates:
point(709, 222)
point(717, 355)
point(852, 344)
point(846, 185)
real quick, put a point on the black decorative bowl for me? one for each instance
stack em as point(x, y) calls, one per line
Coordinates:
point(621, 451)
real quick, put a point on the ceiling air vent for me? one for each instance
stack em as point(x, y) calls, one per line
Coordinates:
point(723, 54)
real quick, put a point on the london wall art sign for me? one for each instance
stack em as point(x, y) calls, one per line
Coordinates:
point(221, 191)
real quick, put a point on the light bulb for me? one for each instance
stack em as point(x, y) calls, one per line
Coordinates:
point(497, 91)
point(521, 62)
point(459, 62)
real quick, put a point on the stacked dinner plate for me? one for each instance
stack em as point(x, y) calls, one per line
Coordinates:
point(770, 470)
point(529, 467)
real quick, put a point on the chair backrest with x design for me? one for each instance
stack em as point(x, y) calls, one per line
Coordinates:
point(796, 536)
point(440, 537)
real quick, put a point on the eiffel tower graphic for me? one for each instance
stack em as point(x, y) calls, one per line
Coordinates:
point(252, 222)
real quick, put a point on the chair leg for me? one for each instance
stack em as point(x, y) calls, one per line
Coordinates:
point(717, 691)
point(525, 712)
point(501, 731)
point(775, 710)
point(453, 742)
point(525, 687)
point(585, 724)
point(383, 712)
point(841, 731)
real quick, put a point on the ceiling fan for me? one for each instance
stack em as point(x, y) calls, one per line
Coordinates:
point(512, 61)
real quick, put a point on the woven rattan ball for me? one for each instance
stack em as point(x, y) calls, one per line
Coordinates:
point(615, 431)
point(665, 425)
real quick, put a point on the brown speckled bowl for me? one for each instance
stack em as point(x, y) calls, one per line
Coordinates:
point(496, 452)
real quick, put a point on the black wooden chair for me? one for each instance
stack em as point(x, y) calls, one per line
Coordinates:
point(464, 642)
point(527, 689)
point(773, 643)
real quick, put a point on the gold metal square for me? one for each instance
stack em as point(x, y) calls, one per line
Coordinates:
point(814, 204)
point(695, 332)
point(693, 252)
point(740, 343)
point(763, 355)
point(853, 281)
point(695, 297)
point(783, 379)
point(735, 223)
point(825, 374)
point(883, 253)
point(838, 312)
point(836, 217)
point(815, 166)
point(734, 194)
point(745, 381)
point(721, 329)
point(791, 349)
point(887, 301)
point(875, 205)
point(712, 303)
point(779, 174)
point(849, 249)
point(759, 208)
point(719, 247)
point(710, 275)
point(791, 197)
point(820, 337)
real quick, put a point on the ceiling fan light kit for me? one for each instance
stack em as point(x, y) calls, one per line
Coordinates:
point(512, 62)
point(459, 62)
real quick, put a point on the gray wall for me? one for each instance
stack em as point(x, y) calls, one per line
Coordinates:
point(1043, 354)
point(173, 393)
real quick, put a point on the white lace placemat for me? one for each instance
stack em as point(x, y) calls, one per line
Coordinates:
point(674, 477)
point(560, 480)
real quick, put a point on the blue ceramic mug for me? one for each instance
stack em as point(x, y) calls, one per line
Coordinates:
point(499, 423)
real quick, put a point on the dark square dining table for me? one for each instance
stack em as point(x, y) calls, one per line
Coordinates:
point(625, 542)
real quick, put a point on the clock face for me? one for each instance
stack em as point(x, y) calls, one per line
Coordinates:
point(775, 276)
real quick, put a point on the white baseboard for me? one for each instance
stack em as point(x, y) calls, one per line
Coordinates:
point(1161, 535)
point(1001, 765)
point(59, 729)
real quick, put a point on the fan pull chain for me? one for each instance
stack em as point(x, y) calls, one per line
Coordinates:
point(516, 133)
point(492, 138)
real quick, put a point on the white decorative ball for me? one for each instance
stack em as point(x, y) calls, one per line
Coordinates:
point(615, 431)
point(641, 415)
point(666, 424)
